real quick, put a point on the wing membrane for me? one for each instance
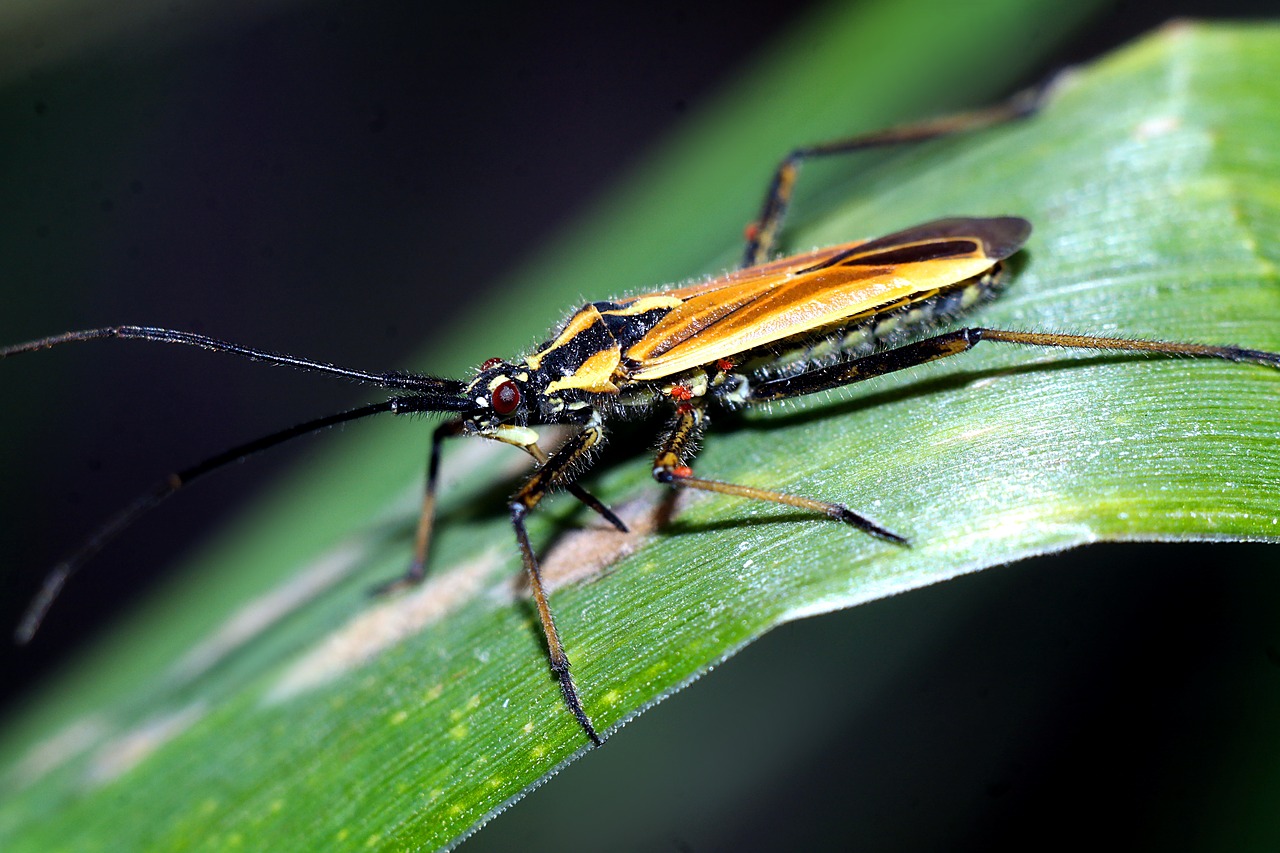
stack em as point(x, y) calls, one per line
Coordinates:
point(819, 291)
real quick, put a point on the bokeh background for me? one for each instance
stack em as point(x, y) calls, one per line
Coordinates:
point(342, 180)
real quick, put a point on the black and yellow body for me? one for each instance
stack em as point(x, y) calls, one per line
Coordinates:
point(724, 337)
point(772, 330)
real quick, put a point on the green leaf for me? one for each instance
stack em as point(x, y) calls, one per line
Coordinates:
point(1151, 178)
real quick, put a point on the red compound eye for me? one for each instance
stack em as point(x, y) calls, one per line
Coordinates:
point(493, 362)
point(506, 397)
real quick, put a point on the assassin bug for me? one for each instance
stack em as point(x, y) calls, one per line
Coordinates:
point(772, 330)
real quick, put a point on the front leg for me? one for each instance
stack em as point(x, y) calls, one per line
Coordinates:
point(557, 471)
point(426, 516)
point(671, 467)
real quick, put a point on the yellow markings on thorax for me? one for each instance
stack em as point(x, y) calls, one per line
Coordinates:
point(595, 374)
point(586, 317)
point(646, 303)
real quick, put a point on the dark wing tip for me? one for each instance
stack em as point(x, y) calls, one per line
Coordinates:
point(1002, 235)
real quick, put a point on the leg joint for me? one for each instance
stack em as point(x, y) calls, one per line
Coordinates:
point(670, 471)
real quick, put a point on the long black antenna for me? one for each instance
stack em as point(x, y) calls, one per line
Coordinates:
point(58, 576)
point(397, 380)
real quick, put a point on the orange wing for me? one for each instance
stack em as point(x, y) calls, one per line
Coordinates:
point(818, 291)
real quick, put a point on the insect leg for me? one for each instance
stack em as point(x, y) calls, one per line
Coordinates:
point(584, 497)
point(762, 235)
point(954, 343)
point(426, 520)
point(671, 467)
point(556, 471)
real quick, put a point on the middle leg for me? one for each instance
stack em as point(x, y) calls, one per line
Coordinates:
point(678, 447)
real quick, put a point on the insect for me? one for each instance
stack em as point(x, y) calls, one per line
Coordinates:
point(772, 330)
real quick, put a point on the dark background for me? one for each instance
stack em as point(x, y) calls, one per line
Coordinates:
point(318, 183)
point(460, 139)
